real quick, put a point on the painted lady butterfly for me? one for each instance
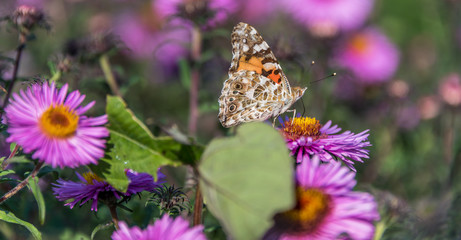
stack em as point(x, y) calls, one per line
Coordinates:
point(257, 88)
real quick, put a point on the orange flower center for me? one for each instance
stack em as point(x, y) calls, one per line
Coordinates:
point(360, 44)
point(59, 122)
point(89, 177)
point(311, 208)
point(302, 126)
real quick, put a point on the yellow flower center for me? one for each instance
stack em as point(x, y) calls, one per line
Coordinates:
point(59, 122)
point(311, 208)
point(302, 126)
point(89, 177)
point(360, 43)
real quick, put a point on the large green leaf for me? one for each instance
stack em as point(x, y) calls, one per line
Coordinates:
point(11, 218)
point(133, 147)
point(246, 179)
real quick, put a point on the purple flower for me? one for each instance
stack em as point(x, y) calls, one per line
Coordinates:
point(326, 207)
point(50, 122)
point(91, 187)
point(207, 13)
point(306, 137)
point(257, 11)
point(167, 44)
point(369, 55)
point(165, 228)
point(328, 17)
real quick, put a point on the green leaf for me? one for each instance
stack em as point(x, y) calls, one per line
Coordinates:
point(133, 147)
point(6, 172)
point(11, 218)
point(247, 179)
point(12, 146)
point(33, 185)
point(101, 227)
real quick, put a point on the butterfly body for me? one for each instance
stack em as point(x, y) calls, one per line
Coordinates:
point(257, 89)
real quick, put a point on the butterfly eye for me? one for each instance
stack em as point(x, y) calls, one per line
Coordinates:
point(232, 108)
point(238, 86)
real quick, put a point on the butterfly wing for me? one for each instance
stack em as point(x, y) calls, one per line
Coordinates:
point(257, 88)
point(251, 52)
point(248, 96)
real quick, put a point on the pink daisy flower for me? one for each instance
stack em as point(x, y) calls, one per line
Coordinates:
point(326, 206)
point(369, 55)
point(51, 123)
point(165, 228)
point(206, 13)
point(92, 188)
point(450, 89)
point(306, 137)
point(328, 17)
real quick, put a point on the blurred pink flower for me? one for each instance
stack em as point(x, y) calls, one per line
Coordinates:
point(30, 3)
point(429, 107)
point(207, 13)
point(328, 17)
point(369, 55)
point(450, 89)
point(257, 11)
point(144, 40)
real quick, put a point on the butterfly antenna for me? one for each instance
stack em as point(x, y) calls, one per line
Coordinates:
point(310, 67)
point(304, 107)
point(331, 75)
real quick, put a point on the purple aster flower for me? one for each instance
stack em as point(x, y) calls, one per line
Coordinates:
point(91, 187)
point(369, 55)
point(165, 228)
point(326, 207)
point(207, 13)
point(306, 137)
point(328, 17)
point(51, 123)
point(257, 11)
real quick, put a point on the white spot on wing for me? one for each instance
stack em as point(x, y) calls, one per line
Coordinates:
point(245, 48)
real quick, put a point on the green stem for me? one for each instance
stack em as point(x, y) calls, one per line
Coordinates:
point(56, 76)
point(105, 66)
point(5, 162)
point(380, 229)
point(196, 49)
point(113, 213)
point(198, 206)
point(15, 74)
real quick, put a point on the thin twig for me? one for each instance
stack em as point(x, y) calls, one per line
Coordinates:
point(105, 66)
point(15, 75)
point(22, 184)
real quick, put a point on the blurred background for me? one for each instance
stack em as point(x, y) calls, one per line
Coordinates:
point(398, 69)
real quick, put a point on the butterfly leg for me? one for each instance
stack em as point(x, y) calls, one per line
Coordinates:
point(294, 114)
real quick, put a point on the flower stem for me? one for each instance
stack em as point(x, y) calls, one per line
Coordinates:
point(22, 184)
point(198, 206)
point(105, 66)
point(196, 50)
point(113, 213)
point(5, 162)
point(15, 73)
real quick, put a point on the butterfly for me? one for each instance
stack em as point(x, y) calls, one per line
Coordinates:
point(257, 89)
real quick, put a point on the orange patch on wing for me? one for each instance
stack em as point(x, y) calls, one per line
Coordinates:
point(275, 77)
point(254, 64)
